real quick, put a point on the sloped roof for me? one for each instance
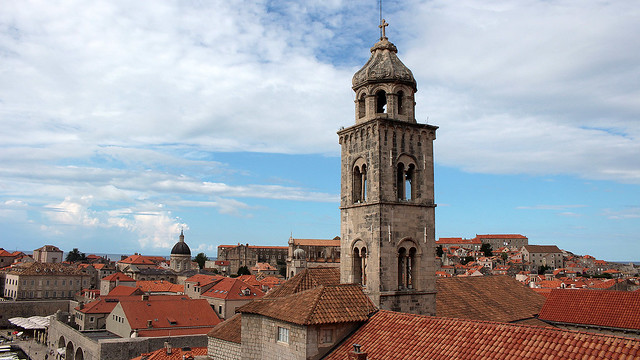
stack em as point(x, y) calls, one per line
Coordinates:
point(501, 236)
point(614, 309)
point(316, 242)
point(140, 260)
point(495, 298)
point(457, 241)
point(180, 310)
point(176, 354)
point(202, 279)
point(307, 279)
point(118, 276)
point(122, 290)
point(49, 248)
point(263, 266)
point(320, 305)
point(232, 289)
point(229, 330)
point(45, 269)
point(101, 306)
point(159, 286)
point(542, 249)
point(393, 335)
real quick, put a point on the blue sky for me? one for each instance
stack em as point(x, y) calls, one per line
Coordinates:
point(122, 123)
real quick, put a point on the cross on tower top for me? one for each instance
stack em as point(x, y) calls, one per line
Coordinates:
point(382, 26)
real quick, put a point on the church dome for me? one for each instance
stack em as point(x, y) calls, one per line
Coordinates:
point(181, 248)
point(384, 66)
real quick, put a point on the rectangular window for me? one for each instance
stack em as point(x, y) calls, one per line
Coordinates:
point(220, 309)
point(283, 335)
point(64, 282)
point(327, 336)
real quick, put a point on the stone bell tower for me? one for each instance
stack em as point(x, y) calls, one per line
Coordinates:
point(387, 207)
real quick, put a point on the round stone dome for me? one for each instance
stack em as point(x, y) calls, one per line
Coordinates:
point(181, 247)
point(299, 254)
point(384, 66)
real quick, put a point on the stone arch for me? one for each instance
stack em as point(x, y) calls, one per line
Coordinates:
point(79, 354)
point(359, 254)
point(381, 101)
point(359, 180)
point(408, 253)
point(361, 107)
point(68, 354)
point(405, 177)
point(61, 342)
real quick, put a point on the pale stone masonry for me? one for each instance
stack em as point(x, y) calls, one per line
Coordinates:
point(387, 193)
point(223, 350)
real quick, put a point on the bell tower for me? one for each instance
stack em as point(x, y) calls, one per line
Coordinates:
point(387, 209)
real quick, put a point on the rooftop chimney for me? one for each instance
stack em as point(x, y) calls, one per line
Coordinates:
point(167, 346)
point(356, 354)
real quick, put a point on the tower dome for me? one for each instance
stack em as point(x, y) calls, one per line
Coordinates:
point(299, 254)
point(384, 66)
point(181, 248)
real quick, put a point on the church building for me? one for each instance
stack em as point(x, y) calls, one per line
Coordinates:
point(387, 196)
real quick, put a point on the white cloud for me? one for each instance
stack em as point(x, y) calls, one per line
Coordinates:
point(73, 211)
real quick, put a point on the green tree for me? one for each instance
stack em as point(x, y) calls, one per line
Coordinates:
point(201, 259)
point(465, 260)
point(283, 271)
point(504, 257)
point(75, 256)
point(486, 249)
point(244, 270)
point(542, 269)
point(439, 251)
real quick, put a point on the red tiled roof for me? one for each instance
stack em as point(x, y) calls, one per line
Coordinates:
point(255, 247)
point(233, 289)
point(159, 286)
point(615, 309)
point(122, 290)
point(307, 279)
point(140, 260)
point(229, 330)
point(542, 249)
point(261, 266)
point(317, 242)
point(202, 279)
point(4, 252)
point(188, 315)
point(457, 241)
point(118, 276)
point(393, 335)
point(495, 298)
point(250, 279)
point(501, 236)
point(320, 305)
point(101, 306)
point(176, 354)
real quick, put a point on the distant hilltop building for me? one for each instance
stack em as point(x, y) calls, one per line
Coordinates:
point(249, 255)
point(48, 254)
point(496, 241)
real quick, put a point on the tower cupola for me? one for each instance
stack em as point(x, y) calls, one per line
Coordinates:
point(384, 86)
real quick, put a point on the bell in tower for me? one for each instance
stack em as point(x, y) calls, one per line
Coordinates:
point(387, 191)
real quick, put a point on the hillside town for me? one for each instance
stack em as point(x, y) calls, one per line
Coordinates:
point(385, 288)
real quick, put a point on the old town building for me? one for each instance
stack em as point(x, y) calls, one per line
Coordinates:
point(48, 254)
point(249, 255)
point(38, 281)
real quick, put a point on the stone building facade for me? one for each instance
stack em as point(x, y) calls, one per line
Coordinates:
point(40, 281)
point(249, 255)
point(503, 240)
point(387, 189)
point(304, 253)
point(543, 255)
point(48, 254)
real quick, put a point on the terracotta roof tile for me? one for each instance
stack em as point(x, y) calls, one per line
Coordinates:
point(495, 298)
point(615, 309)
point(316, 242)
point(176, 354)
point(233, 289)
point(202, 279)
point(122, 290)
point(392, 335)
point(501, 236)
point(542, 249)
point(169, 314)
point(320, 305)
point(229, 330)
point(118, 276)
point(307, 279)
point(159, 286)
point(46, 269)
point(141, 260)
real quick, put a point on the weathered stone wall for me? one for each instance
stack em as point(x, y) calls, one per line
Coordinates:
point(115, 349)
point(10, 309)
point(383, 223)
point(259, 339)
point(223, 350)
